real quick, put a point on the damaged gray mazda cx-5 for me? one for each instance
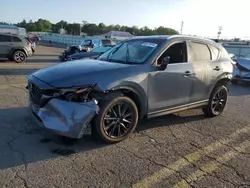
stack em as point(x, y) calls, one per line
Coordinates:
point(140, 77)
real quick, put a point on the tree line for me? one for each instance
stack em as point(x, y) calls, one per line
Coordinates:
point(90, 29)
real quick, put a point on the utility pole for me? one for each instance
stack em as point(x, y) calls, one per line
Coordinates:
point(219, 32)
point(182, 23)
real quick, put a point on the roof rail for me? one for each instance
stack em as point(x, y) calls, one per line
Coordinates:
point(8, 33)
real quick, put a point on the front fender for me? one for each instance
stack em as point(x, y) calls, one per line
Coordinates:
point(140, 90)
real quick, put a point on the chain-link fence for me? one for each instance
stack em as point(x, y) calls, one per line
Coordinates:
point(238, 50)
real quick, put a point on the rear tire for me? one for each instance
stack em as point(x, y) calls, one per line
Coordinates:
point(217, 101)
point(19, 56)
point(116, 120)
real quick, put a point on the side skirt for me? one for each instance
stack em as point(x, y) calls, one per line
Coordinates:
point(178, 109)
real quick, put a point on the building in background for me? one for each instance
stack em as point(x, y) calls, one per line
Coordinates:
point(62, 31)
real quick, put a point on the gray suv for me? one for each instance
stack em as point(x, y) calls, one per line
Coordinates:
point(14, 47)
point(139, 78)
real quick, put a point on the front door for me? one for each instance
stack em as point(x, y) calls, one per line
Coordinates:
point(171, 87)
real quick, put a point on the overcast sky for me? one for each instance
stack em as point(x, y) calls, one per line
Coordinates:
point(201, 17)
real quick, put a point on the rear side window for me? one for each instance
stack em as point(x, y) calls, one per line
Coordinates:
point(5, 38)
point(200, 51)
point(214, 52)
point(16, 39)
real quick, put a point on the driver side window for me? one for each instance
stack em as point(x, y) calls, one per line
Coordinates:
point(177, 53)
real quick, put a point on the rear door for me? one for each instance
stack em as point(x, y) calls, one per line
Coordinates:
point(5, 45)
point(205, 67)
point(17, 42)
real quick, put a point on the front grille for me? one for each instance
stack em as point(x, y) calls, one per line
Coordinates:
point(36, 94)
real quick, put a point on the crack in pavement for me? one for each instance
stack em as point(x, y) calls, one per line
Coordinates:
point(205, 173)
point(155, 163)
point(156, 144)
point(224, 164)
point(22, 87)
point(17, 151)
point(210, 135)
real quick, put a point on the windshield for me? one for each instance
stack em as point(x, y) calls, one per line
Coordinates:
point(85, 43)
point(101, 49)
point(135, 52)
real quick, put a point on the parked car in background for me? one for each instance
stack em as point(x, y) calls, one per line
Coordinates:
point(11, 29)
point(241, 71)
point(95, 53)
point(85, 46)
point(15, 47)
point(142, 77)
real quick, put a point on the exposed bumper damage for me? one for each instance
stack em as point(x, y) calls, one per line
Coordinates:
point(68, 119)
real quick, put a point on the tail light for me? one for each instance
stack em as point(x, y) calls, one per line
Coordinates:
point(233, 64)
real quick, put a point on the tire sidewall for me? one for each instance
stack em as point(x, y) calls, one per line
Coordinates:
point(212, 97)
point(104, 107)
point(14, 56)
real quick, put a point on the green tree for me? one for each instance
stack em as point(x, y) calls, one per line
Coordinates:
point(43, 25)
point(91, 28)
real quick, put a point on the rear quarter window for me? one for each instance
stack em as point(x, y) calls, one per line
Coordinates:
point(214, 52)
point(16, 39)
point(200, 51)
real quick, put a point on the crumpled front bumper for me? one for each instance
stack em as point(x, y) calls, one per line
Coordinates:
point(65, 118)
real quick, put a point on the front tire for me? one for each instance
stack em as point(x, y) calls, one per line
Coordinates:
point(19, 56)
point(116, 120)
point(217, 101)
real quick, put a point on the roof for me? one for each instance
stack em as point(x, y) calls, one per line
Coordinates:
point(185, 37)
point(11, 34)
point(8, 26)
point(119, 33)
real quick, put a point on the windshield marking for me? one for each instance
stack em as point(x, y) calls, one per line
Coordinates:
point(148, 44)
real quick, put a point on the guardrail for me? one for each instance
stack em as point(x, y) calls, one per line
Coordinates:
point(67, 39)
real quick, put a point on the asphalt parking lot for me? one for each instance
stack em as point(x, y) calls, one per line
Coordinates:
point(179, 150)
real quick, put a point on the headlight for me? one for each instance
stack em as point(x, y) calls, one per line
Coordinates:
point(75, 95)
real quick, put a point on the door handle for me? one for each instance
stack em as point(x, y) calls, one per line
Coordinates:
point(217, 68)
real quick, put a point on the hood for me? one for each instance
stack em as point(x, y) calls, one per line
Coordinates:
point(80, 72)
point(243, 63)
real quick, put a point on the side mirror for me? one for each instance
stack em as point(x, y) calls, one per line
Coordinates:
point(165, 62)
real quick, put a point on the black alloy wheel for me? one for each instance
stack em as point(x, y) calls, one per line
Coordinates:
point(116, 120)
point(217, 101)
